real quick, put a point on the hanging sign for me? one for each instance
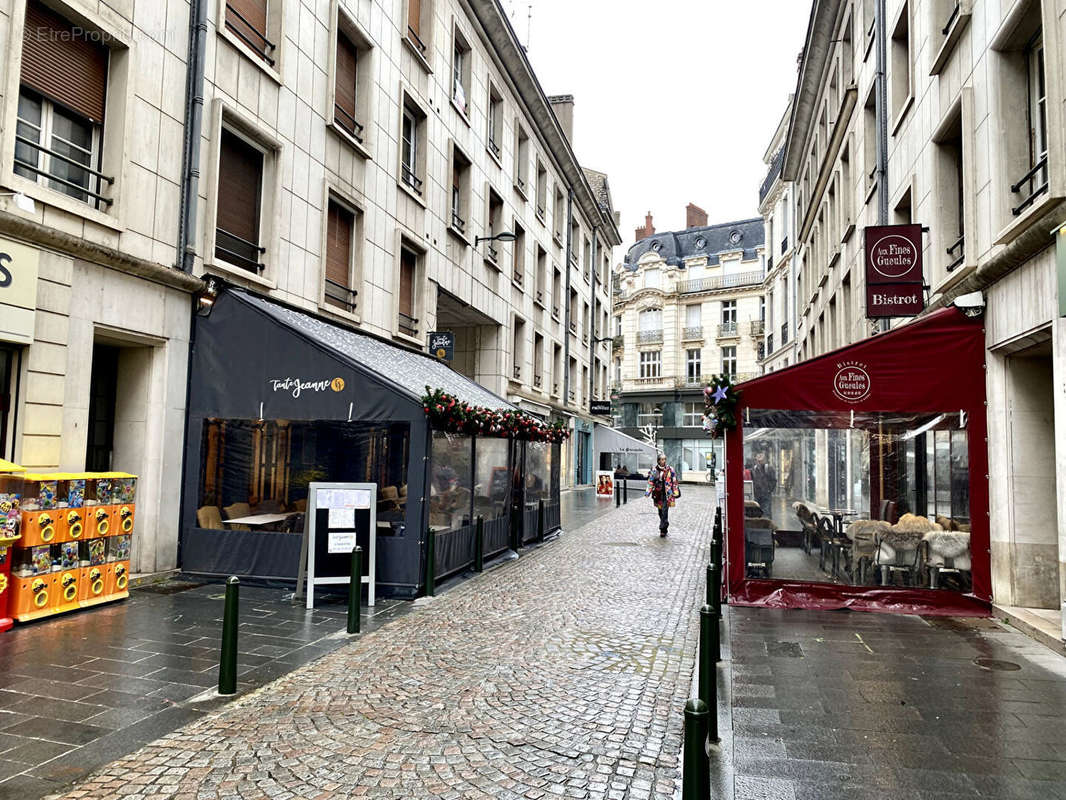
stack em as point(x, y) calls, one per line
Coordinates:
point(18, 291)
point(895, 280)
point(442, 345)
point(600, 408)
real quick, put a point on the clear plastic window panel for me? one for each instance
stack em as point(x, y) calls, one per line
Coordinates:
point(451, 487)
point(863, 499)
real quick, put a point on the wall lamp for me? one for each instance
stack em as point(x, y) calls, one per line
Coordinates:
point(506, 236)
point(205, 300)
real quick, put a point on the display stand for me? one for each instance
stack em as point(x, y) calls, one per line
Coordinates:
point(339, 517)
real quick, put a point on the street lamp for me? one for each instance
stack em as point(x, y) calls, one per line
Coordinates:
point(506, 236)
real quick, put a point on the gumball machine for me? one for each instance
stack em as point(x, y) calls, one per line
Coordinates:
point(43, 521)
point(10, 524)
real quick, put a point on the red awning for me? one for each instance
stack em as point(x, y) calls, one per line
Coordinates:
point(932, 365)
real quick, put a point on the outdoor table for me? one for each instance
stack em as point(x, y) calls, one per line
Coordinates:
point(259, 520)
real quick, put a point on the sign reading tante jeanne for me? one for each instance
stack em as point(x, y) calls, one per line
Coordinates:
point(895, 281)
point(18, 291)
point(442, 345)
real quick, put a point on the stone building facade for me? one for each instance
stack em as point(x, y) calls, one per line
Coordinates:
point(973, 151)
point(688, 307)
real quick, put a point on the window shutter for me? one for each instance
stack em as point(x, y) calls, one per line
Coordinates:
point(240, 175)
point(414, 16)
point(344, 91)
point(407, 282)
point(254, 25)
point(339, 245)
point(70, 70)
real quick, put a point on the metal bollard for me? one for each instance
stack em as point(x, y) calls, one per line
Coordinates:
point(431, 564)
point(617, 495)
point(355, 589)
point(479, 545)
point(625, 490)
point(708, 679)
point(227, 665)
point(716, 552)
point(714, 588)
point(540, 520)
point(696, 778)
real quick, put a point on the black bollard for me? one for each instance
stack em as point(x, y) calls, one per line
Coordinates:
point(708, 679)
point(625, 490)
point(714, 588)
point(479, 545)
point(696, 778)
point(540, 520)
point(227, 665)
point(617, 496)
point(716, 550)
point(355, 589)
point(431, 564)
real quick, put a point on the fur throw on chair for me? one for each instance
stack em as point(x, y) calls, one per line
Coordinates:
point(912, 523)
point(946, 524)
point(863, 534)
point(947, 544)
point(896, 545)
point(804, 513)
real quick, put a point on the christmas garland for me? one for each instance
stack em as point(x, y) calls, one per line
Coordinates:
point(448, 413)
point(720, 406)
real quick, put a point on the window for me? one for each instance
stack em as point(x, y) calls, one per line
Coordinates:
point(239, 207)
point(518, 348)
point(729, 314)
point(694, 319)
point(247, 20)
point(575, 240)
point(557, 370)
point(650, 325)
point(585, 321)
point(542, 190)
point(61, 108)
point(618, 371)
point(586, 259)
point(494, 226)
point(542, 275)
point(693, 374)
point(418, 21)
point(729, 361)
point(518, 254)
point(572, 312)
point(558, 216)
point(948, 18)
point(521, 158)
point(900, 65)
point(495, 121)
point(410, 262)
point(1036, 180)
point(557, 291)
point(649, 413)
point(341, 236)
point(950, 203)
point(869, 141)
point(693, 415)
point(538, 361)
point(461, 58)
point(618, 325)
point(460, 191)
point(651, 364)
point(653, 279)
point(352, 72)
point(412, 147)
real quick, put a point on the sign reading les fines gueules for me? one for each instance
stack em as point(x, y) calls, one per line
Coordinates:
point(895, 280)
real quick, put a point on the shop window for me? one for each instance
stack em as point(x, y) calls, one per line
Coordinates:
point(521, 159)
point(494, 134)
point(649, 414)
point(342, 224)
point(239, 206)
point(460, 191)
point(100, 428)
point(351, 83)
point(883, 498)
point(651, 364)
point(59, 135)
point(247, 20)
point(461, 58)
point(699, 455)
point(407, 290)
point(412, 147)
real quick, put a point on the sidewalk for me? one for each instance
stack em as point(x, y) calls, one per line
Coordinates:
point(562, 674)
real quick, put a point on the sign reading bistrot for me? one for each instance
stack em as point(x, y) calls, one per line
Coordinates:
point(895, 283)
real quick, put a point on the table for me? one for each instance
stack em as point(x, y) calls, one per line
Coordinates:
point(259, 520)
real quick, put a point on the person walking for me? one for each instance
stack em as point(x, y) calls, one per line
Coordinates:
point(664, 491)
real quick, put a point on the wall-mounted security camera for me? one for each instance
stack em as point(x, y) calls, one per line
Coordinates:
point(972, 304)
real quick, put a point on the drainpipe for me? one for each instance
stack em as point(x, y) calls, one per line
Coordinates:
point(881, 112)
point(566, 316)
point(194, 113)
point(592, 315)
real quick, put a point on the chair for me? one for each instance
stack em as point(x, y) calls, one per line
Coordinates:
point(863, 534)
point(808, 524)
point(946, 551)
point(898, 553)
point(888, 512)
point(236, 511)
point(389, 493)
point(269, 506)
point(209, 517)
point(759, 550)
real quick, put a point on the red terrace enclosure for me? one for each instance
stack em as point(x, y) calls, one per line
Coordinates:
point(858, 479)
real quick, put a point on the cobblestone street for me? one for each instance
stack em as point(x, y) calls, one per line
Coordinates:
point(561, 674)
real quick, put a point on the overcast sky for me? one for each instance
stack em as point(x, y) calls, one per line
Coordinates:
point(676, 100)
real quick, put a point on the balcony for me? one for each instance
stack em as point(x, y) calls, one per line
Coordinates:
point(693, 333)
point(618, 342)
point(756, 327)
point(691, 382)
point(650, 381)
point(752, 278)
point(727, 330)
point(650, 337)
point(538, 381)
point(1035, 182)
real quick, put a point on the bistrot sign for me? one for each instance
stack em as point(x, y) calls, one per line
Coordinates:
point(895, 280)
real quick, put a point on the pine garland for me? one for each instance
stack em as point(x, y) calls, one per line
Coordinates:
point(448, 413)
point(720, 406)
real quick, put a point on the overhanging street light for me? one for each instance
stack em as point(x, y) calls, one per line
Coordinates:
point(506, 236)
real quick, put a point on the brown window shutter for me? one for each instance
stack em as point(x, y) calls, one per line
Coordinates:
point(344, 91)
point(69, 69)
point(339, 226)
point(254, 25)
point(240, 176)
point(408, 262)
point(414, 16)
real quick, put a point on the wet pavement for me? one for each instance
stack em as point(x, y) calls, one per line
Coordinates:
point(81, 690)
point(560, 674)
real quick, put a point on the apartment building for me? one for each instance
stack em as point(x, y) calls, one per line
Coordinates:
point(778, 213)
point(971, 149)
point(94, 318)
point(689, 306)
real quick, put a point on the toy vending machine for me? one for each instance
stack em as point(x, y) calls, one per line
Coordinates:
point(99, 513)
point(92, 571)
point(43, 522)
point(35, 593)
point(10, 523)
point(75, 506)
point(117, 579)
point(123, 498)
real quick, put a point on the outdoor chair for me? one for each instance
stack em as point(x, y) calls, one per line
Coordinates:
point(236, 511)
point(209, 517)
point(898, 554)
point(946, 552)
point(808, 524)
point(863, 534)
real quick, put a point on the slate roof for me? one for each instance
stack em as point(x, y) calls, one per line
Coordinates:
point(600, 189)
point(708, 240)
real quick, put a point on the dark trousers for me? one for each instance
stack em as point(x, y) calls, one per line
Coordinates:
point(664, 517)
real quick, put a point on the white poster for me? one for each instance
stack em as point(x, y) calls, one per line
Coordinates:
point(341, 541)
point(343, 498)
point(342, 518)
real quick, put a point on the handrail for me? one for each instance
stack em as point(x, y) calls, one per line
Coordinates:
point(245, 242)
point(34, 168)
point(343, 294)
point(962, 253)
point(353, 120)
point(251, 27)
point(50, 152)
point(262, 51)
point(1027, 176)
point(412, 34)
point(411, 179)
point(458, 222)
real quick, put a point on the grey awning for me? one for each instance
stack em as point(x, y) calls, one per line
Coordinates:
point(611, 440)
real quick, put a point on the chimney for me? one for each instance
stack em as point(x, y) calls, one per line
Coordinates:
point(647, 230)
point(563, 106)
point(695, 217)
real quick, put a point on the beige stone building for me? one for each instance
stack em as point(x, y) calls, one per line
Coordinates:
point(971, 149)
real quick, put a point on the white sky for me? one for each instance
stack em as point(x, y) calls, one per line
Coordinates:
point(676, 100)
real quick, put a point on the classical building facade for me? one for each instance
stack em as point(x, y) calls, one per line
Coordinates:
point(689, 306)
point(971, 148)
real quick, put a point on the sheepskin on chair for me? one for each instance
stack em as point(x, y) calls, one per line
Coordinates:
point(898, 545)
point(912, 523)
point(863, 534)
point(949, 546)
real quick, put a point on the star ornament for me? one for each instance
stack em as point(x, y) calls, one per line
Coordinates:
point(719, 394)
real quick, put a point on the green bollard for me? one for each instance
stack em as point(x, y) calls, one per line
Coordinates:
point(696, 778)
point(540, 520)
point(479, 545)
point(227, 665)
point(355, 589)
point(708, 679)
point(431, 564)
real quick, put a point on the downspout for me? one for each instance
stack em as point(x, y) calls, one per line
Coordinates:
point(566, 316)
point(881, 111)
point(593, 344)
point(194, 114)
